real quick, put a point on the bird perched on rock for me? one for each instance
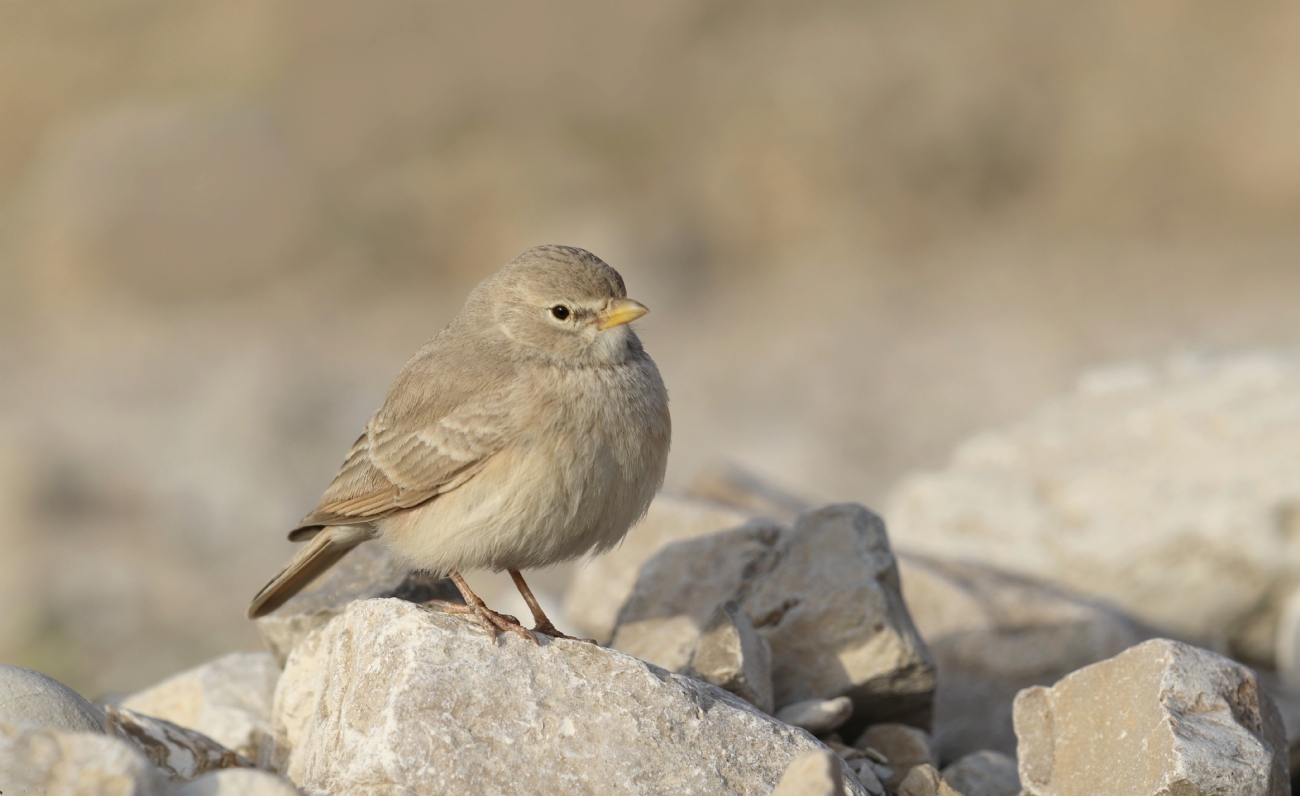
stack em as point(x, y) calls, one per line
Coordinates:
point(532, 430)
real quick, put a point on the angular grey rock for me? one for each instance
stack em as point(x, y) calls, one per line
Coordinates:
point(816, 773)
point(602, 584)
point(1161, 718)
point(905, 747)
point(180, 753)
point(370, 570)
point(924, 780)
point(227, 699)
point(679, 589)
point(1171, 492)
point(29, 697)
point(390, 697)
point(825, 596)
point(871, 774)
point(817, 716)
point(38, 760)
point(992, 634)
point(985, 773)
point(734, 657)
point(239, 782)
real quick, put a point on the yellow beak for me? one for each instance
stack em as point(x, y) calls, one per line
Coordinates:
point(619, 312)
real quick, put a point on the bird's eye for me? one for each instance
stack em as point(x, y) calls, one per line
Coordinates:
point(560, 312)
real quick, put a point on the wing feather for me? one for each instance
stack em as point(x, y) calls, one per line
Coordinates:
point(403, 461)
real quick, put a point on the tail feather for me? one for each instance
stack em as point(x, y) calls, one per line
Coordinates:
point(322, 552)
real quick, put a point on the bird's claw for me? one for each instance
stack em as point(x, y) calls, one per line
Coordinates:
point(491, 621)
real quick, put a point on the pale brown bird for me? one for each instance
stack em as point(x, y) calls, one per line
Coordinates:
point(532, 430)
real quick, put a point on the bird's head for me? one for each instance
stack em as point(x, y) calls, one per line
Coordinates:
point(563, 304)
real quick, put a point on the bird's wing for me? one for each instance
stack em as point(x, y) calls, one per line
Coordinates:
point(433, 433)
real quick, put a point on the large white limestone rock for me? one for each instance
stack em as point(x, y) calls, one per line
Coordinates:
point(825, 595)
point(1172, 492)
point(601, 585)
point(1161, 718)
point(227, 699)
point(391, 697)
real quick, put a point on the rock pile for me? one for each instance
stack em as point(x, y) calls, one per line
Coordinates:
point(786, 641)
point(824, 596)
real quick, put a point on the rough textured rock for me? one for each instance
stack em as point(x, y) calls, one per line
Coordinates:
point(905, 748)
point(37, 760)
point(227, 699)
point(680, 588)
point(817, 773)
point(390, 697)
point(734, 657)
point(825, 596)
point(992, 634)
point(239, 782)
point(370, 570)
point(180, 753)
point(601, 585)
point(1172, 492)
point(28, 697)
point(1161, 718)
point(817, 716)
point(924, 780)
point(984, 773)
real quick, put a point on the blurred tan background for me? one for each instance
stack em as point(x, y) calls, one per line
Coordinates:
point(865, 230)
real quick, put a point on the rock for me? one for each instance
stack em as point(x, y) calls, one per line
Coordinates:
point(905, 748)
point(390, 697)
point(1173, 493)
point(871, 774)
point(227, 699)
point(1160, 718)
point(180, 753)
point(46, 761)
point(239, 782)
point(1288, 706)
point(28, 697)
point(817, 716)
point(816, 773)
point(680, 588)
point(370, 570)
point(992, 634)
point(924, 780)
point(825, 596)
point(734, 657)
point(601, 585)
point(984, 773)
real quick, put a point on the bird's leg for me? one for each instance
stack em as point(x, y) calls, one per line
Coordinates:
point(490, 619)
point(543, 625)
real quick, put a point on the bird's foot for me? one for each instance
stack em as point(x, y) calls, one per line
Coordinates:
point(547, 629)
point(492, 621)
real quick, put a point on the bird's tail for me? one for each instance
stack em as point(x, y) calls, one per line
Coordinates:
point(323, 551)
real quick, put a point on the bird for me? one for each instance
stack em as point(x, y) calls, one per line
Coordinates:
point(533, 429)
